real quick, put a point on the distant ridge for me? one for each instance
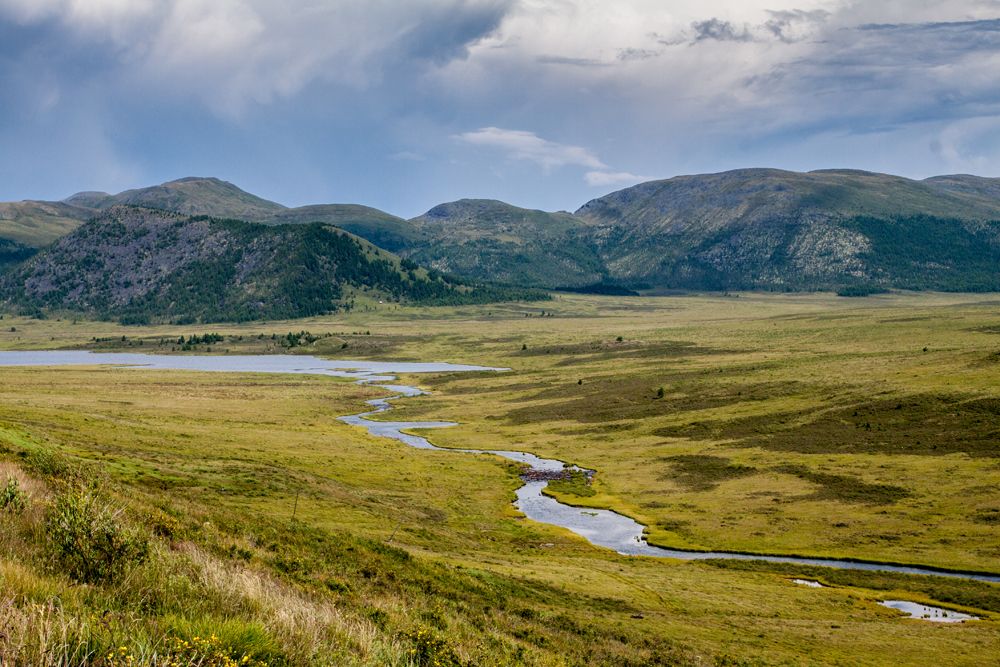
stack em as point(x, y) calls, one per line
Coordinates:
point(774, 229)
point(199, 196)
point(505, 243)
point(829, 229)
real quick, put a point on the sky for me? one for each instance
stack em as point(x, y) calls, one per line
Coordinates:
point(404, 104)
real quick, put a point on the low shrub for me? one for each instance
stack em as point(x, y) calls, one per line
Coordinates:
point(12, 497)
point(92, 541)
point(48, 463)
point(429, 650)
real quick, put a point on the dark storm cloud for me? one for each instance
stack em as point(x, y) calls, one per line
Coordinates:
point(785, 25)
point(442, 34)
point(630, 54)
point(936, 71)
point(362, 100)
point(719, 30)
point(566, 60)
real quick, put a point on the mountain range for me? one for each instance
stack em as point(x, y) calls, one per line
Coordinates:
point(142, 265)
point(745, 229)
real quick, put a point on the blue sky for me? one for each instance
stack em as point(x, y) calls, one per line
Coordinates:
point(404, 104)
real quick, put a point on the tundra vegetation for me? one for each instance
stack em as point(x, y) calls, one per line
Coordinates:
point(171, 517)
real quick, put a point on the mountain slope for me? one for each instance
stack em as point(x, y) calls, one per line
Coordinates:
point(987, 190)
point(146, 265)
point(36, 224)
point(772, 229)
point(496, 241)
point(198, 196)
point(381, 228)
point(744, 229)
point(12, 253)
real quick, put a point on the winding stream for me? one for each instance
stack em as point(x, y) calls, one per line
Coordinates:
point(601, 527)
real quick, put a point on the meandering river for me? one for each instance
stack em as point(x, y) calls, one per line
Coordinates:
point(601, 527)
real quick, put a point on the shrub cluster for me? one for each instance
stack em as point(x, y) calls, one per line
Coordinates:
point(208, 651)
point(12, 497)
point(429, 650)
point(91, 541)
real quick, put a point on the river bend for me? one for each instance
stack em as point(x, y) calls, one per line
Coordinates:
point(604, 528)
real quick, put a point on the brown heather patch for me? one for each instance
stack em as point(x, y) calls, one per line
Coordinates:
point(923, 424)
point(604, 350)
point(471, 382)
point(846, 488)
point(624, 398)
point(699, 472)
point(989, 516)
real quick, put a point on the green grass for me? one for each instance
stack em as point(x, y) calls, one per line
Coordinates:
point(389, 542)
point(575, 484)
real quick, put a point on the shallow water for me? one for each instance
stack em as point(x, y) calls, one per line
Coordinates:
point(927, 613)
point(237, 363)
point(601, 527)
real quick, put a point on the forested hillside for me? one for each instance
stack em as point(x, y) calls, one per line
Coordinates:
point(141, 265)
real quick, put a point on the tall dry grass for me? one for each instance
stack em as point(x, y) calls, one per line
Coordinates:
point(46, 619)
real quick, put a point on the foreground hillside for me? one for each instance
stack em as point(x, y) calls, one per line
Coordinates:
point(249, 522)
point(144, 265)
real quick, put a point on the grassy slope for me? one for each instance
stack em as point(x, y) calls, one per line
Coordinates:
point(494, 240)
point(37, 224)
point(718, 198)
point(237, 459)
point(383, 229)
point(200, 196)
point(775, 229)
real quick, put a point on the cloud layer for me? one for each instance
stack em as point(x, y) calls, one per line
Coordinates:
point(543, 102)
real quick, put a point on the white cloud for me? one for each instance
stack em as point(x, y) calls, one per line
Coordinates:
point(522, 145)
point(529, 147)
point(594, 86)
point(610, 178)
point(970, 146)
point(766, 78)
point(407, 156)
point(229, 54)
point(85, 14)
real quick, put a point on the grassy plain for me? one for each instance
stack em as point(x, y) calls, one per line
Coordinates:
point(804, 424)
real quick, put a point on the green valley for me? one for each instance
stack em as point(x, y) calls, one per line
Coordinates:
point(809, 425)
